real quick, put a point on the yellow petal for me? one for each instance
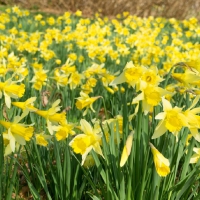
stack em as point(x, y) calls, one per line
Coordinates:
point(127, 149)
point(86, 127)
point(166, 104)
point(161, 163)
point(160, 130)
point(194, 158)
point(120, 79)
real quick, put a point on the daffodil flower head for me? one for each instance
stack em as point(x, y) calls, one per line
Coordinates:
point(42, 139)
point(131, 74)
point(172, 119)
point(161, 163)
point(150, 96)
point(39, 79)
point(150, 76)
point(64, 130)
point(17, 132)
point(11, 90)
point(75, 80)
point(69, 67)
point(186, 78)
point(26, 106)
point(89, 140)
point(60, 78)
point(53, 118)
point(84, 101)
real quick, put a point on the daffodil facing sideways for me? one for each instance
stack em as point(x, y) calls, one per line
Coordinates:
point(161, 163)
point(89, 140)
point(26, 106)
point(11, 90)
point(16, 132)
point(187, 78)
point(172, 119)
point(84, 101)
point(42, 139)
point(131, 74)
point(195, 157)
point(127, 149)
point(53, 118)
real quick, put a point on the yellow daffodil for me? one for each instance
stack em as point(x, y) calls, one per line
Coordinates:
point(151, 77)
point(172, 119)
point(95, 69)
point(84, 101)
point(186, 78)
point(68, 67)
point(26, 106)
point(75, 80)
point(90, 140)
point(52, 117)
point(39, 79)
point(150, 96)
point(42, 139)
point(11, 90)
point(61, 79)
point(161, 163)
point(17, 132)
point(64, 130)
point(131, 74)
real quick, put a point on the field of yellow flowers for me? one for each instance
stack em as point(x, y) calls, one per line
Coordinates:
point(98, 108)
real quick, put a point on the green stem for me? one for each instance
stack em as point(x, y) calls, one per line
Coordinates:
point(42, 172)
point(104, 105)
point(144, 176)
point(167, 78)
point(138, 149)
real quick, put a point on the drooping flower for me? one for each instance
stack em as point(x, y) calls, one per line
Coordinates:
point(161, 163)
point(90, 140)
